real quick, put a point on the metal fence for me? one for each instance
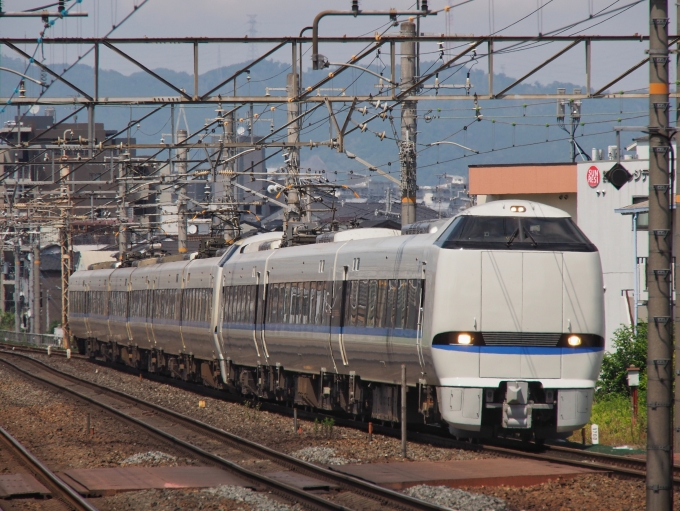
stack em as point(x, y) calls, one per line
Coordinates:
point(28, 338)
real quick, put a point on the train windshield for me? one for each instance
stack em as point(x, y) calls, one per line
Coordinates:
point(508, 233)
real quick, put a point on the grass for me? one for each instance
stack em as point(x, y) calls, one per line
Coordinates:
point(613, 414)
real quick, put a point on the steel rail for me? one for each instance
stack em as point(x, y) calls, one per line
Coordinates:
point(383, 496)
point(624, 465)
point(59, 489)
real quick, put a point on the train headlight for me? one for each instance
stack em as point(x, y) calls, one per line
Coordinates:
point(464, 339)
point(574, 340)
point(518, 209)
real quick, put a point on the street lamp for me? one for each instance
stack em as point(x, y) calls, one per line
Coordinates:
point(452, 143)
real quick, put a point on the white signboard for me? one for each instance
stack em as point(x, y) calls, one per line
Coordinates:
point(595, 434)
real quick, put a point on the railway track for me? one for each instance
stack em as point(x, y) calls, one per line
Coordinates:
point(58, 489)
point(246, 459)
point(625, 466)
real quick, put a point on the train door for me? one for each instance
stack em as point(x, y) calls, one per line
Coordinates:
point(335, 306)
point(86, 308)
point(107, 295)
point(128, 289)
point(419, 324)
point(260, 301)
point(151, 289)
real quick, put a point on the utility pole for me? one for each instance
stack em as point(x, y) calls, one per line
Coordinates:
point(676, 244)
point(17, 284)
point(47, 312)
point(66, 245)
point(122, 216)
point(35, 273)
point(181, 202)
point(181, 226)
point(292, 216)
point(409, 113)
point(231, 192)
point(659, 335)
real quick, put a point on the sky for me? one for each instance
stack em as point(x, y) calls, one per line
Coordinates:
point(159, 18)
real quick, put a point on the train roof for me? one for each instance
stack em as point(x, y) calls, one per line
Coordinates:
point(505, 208)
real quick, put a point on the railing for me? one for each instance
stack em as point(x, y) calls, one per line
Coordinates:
point(28, 338)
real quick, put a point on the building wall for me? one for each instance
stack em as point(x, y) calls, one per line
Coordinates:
point(612, 233)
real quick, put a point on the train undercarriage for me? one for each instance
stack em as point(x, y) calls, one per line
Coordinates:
point(340, 394)
point(345, 395)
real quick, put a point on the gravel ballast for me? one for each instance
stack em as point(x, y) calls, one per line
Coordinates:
point(322, 456)
point(457, 500)
point(585, 493)
point(248, 421)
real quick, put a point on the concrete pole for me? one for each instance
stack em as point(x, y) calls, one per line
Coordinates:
point(659, 337)
point(90, 130)
point(181, 204)
point(676, 245)
point(17, 285)
point(35, 270)
point(181, 226)
point(409, 113)
point(294, 154)
point(47, 311)
point(403, 410)
point(122, 216)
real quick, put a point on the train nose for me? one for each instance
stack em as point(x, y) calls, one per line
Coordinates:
point(522, 291)
point(522, 314)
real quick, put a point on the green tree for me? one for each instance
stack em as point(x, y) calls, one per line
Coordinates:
point(6, 321)
point(631, 350)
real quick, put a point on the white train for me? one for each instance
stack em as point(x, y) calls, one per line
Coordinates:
point(496, 313)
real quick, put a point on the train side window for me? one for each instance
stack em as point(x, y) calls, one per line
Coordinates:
point(402, 304)
point(292, 302)
point(238, 298)
point(391, 312)
point(231, 306)
point(312, 303)
point(316, 302)
point(250, 297)
point(251, 302)
point(225, 306)
point(353, 304)
point(372, 297)
point(271, 304)
point(284, 304)
point(413, 304)
point(304, 313)
point(316, 317)
point(381, 305)
point(185, 311)
point(301, 303)
point(362, 303)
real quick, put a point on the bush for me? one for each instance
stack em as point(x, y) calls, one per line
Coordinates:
point(613, 414)
point(631, 349)
point(7, 321)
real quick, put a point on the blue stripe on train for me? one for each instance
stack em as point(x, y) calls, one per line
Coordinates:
point(516, 350)
point(324, 329)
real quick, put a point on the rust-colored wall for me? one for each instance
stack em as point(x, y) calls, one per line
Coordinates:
point(514, 179)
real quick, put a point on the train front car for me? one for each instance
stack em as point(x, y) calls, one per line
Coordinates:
point(517, 322)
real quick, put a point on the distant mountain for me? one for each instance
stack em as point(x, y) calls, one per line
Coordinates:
point(509, 131)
